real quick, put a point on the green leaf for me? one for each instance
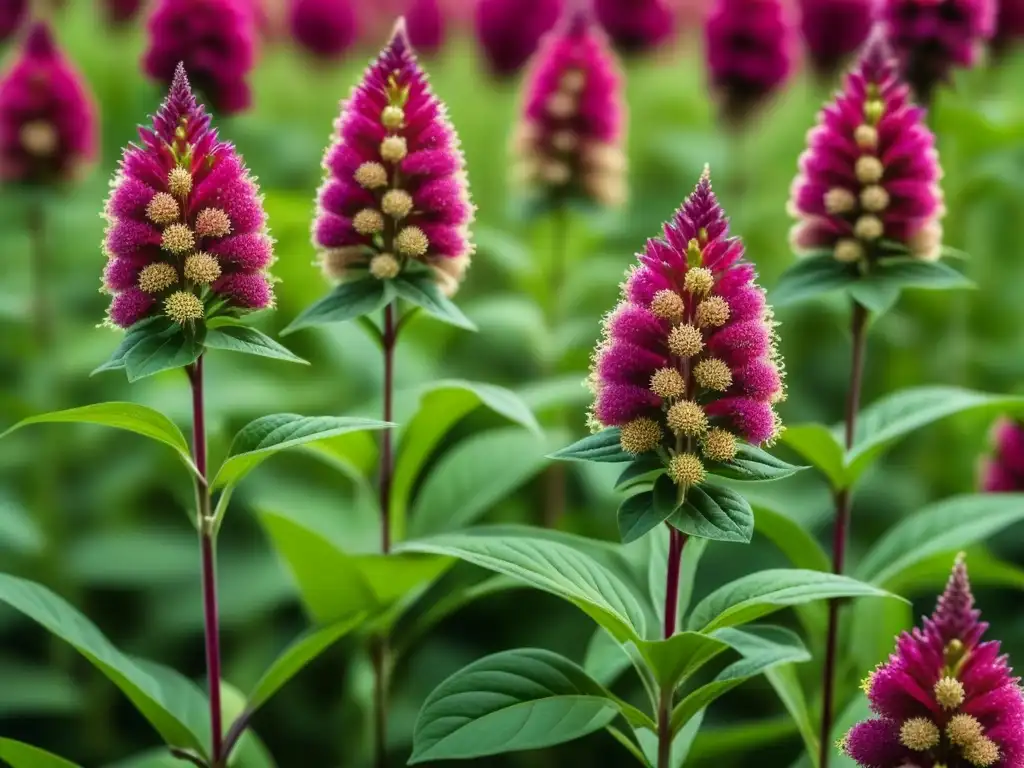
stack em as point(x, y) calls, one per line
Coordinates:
point(818, 445)
point(508, 702)
point(799, 546)
point(753, 464)
point(640, 514)
point(604, 446)
point(784, 680)
point(947, 526)
point(714, 512)
point(127, 416)
point(296, 656)
point(639, 470)
point(877, 297)
point(20, 755)
point(550, 563)
point(812, 275)
point(248, 341)
point(629, 745)
point(908, 272)
point(131, 339)
point(605, 659)
point(762, 648)
point(346, 302)
point(258, 440)
point(675, 659)
point(165, 699)
point(421, 290)
point(759, 594)
point(173, 348)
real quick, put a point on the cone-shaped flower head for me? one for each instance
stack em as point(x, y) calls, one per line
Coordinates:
point(425, 20)
point(833, 30)
point(509, 31)
point(636, 25)
point(570, 141)
point(324, 28)
point(215, 39)
point(47, 117)
point(187, 232)
point(395, 192)
point(944, 699)
point(932, 37)
point(688, 360)
point(870, 175)
point(121, 12)
point(12, 14)
point(750, 51)
point(1004, 469)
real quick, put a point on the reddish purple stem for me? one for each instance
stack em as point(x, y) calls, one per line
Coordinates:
point(676, 542)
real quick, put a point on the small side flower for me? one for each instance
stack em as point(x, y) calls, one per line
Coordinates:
point(1003, 469)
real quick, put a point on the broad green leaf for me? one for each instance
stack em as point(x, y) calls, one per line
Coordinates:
point(909, 272)
point(37, 691)
point(799, 546)
point(173, 348)
point(131, 339)
point(18, 531)
point(675, 659)
point(258, 440)
point(166, 700)
point(759, 594)
point(762, 648)
point(638, 515)
point(640, 469)
point(127, 416)
point(20, 755)
point(508, 702)
point(249, 341)
point(474, 476)
point(604, 446)
point(346, 302)
point(550, 564)
point(752, 463)
point(421, 290)
point(784, 680)
point(819, 446)
point(714, 512)
point(946, 526)
point(812, 275)
point(875, 296)
point(605, 659)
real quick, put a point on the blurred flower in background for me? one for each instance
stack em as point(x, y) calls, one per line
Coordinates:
point(1004, 469)
point(12, 14)
point(509, 31)
point(324, 28)
point(1009, 27)
point(120, 12)
point(215, 39)
point(47, 117)
point(870, 174)
point(933, 37)
point(833, 30)
point(425, 22)
point(750, 47)
point(636, 25)
point(569, 143)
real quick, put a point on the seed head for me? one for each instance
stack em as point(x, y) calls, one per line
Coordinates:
point(668, 305)
point(555, 173)
point(396, 203)
point(866, 136)
point(686, 469)
point(202, 268)
point(924, 244)
point(573, 81)
point(668, 383)
point(183, 307)
point(179, 181)
point(640, 436)
point(962, 730)
point(713, 312)
point(869, 227)
point(699, 281)
point(368, 221)
point(869, 169)
point(840, 200)
point(392, 117)
point(561, 106)
point(384, 266)
point(411, 242)
point(371, 176)
point(564, 141)
point(874, 198)
point(720, 445)
point(712, 373)
point(919, 734)
point(687, 418)
point(335, 262)
point(157, 277)
point(178, 238)
point(848, 251)
point(685, 341)
point(982, 752)
point(39, 138)
point(213, 222)
point(162, 209)
point(949, 692)
point(393, 149)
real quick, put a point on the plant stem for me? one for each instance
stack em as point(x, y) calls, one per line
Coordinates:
point(664, 730)
point(859, 323)
point(208, 553)
point(676, 542)
point(555, 477)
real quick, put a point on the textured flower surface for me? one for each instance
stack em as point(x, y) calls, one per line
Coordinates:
point(569, 143)
point(325, 28)
point(215, 39)
point(186, 235)
point(944, 699)
point(12, 14)
point(509, 31)
point(395, 192)
point(833, 30)
point(750, 48)
point(870, 175)
point(1004, 469)
point(636, 26)
point(932, 37)
point(688, 361)
point(47, 117)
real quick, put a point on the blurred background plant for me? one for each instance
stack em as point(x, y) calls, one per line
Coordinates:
point(117, 545)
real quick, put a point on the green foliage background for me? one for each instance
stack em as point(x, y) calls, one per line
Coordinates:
point(102, 518)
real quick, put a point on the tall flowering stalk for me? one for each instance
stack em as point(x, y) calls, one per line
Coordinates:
point(945, 698)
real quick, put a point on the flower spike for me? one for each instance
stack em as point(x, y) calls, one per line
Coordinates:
point(834, 30)
point(1004, 469)
point(509, 31)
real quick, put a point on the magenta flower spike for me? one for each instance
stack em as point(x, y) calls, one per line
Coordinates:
point(187, 234)
point(1003, 471)
point(944, 699)
point(395, 193)
point(635, 26)
point(933, 37)
point(834, 30)
point(12, 15)
point(569, 143)
point(425, 22)
point(324, 28)
point(869, 178)
point(688, 361)
point(47, 116)
point(216, 41)
point(509, 31)
point(750, 48)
